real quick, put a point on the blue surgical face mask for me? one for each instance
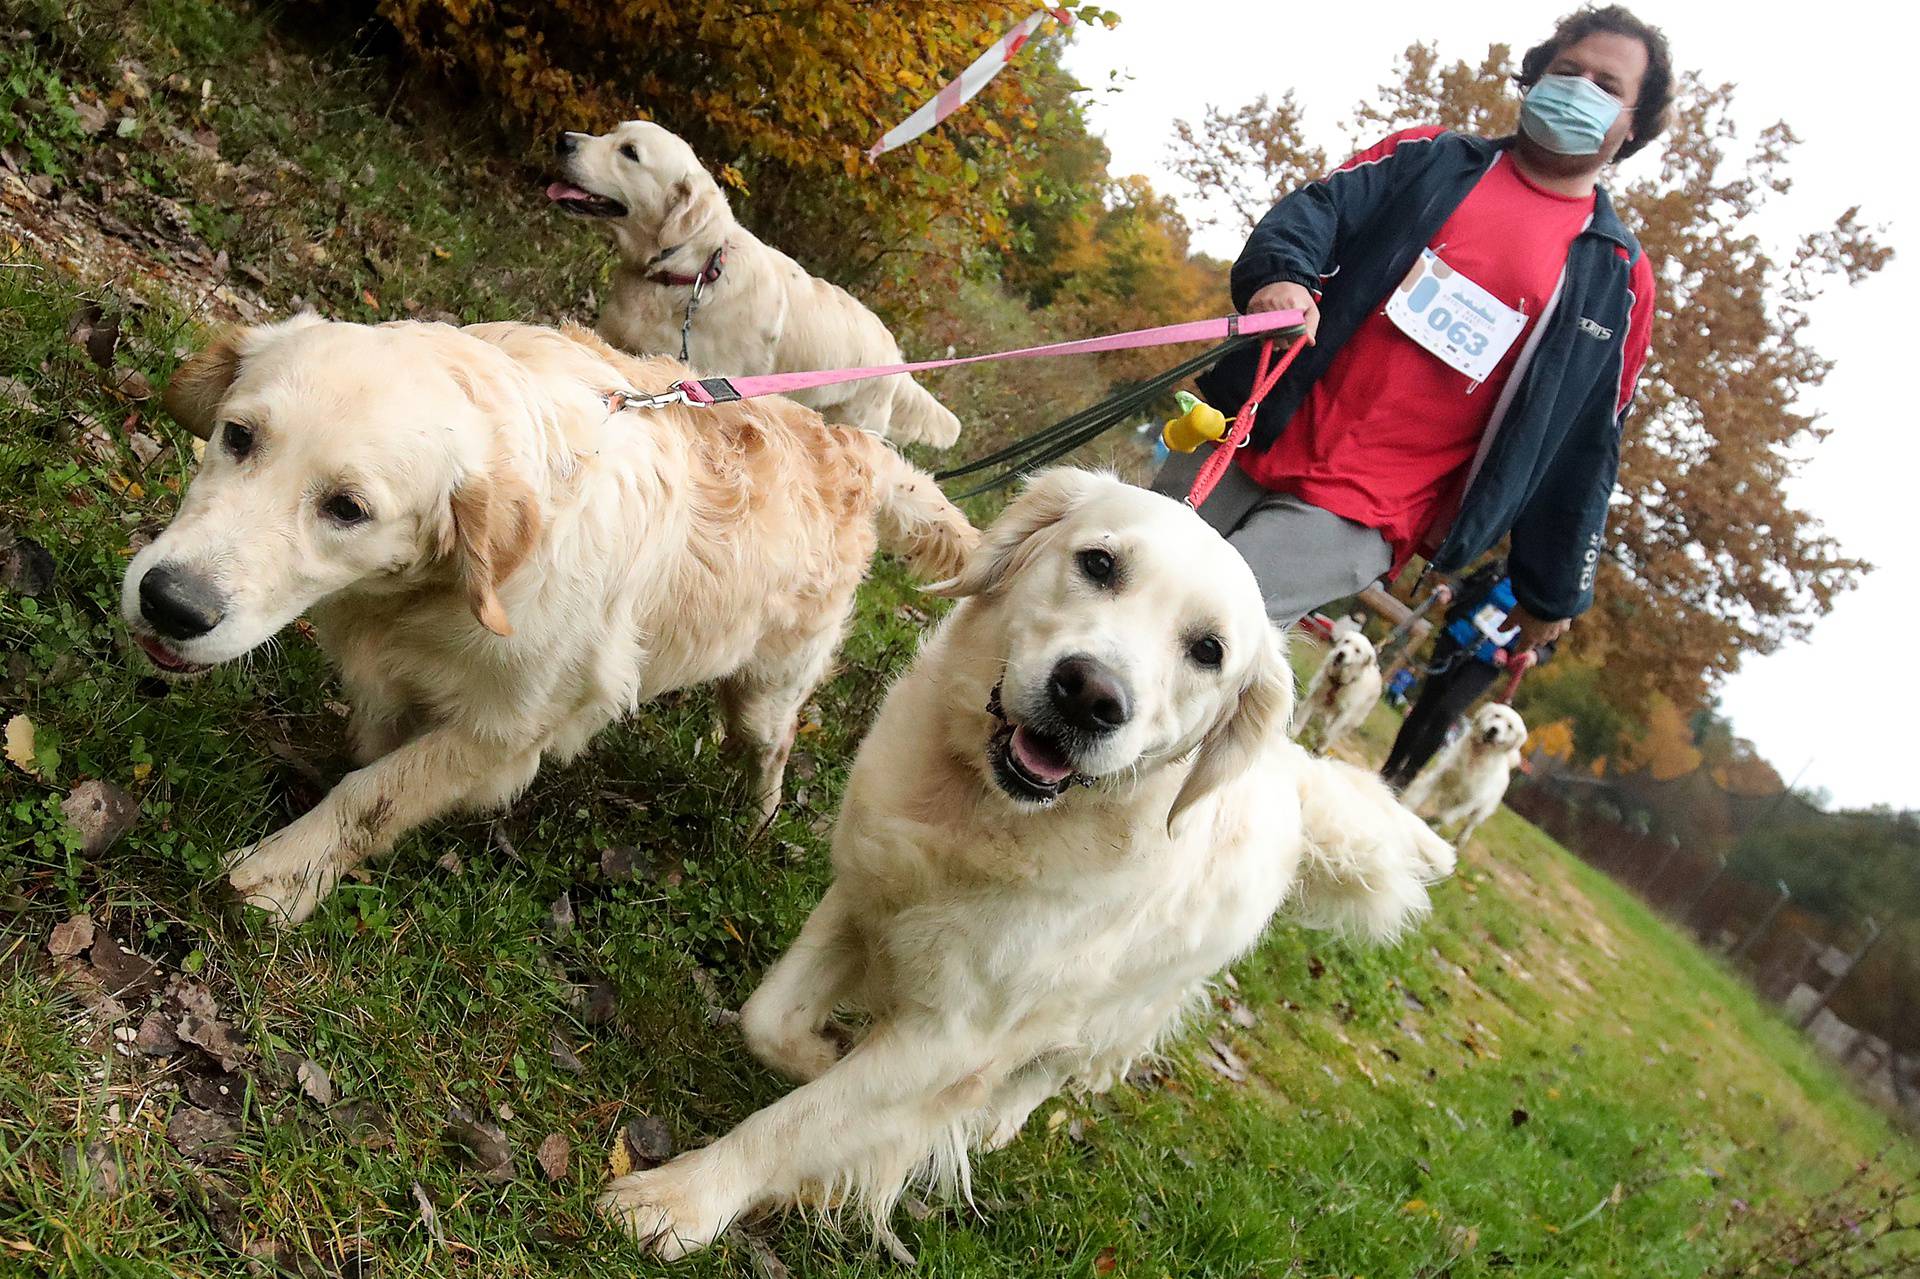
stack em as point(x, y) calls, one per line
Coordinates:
point(1568, 114)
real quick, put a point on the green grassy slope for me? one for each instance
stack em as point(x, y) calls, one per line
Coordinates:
point(1543, 1081)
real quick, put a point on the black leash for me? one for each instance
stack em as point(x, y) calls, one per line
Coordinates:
point(1061, 438)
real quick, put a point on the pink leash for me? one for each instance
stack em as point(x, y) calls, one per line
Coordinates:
point(1264, 378)
point(725, 390)
point(1519, 666)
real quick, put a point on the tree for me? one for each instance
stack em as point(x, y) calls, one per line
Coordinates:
point(780, 98)
point(1707, 559)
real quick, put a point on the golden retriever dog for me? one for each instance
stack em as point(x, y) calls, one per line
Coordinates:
point(500, 561)
point(757, 310)
point(1341, 693)
point(1075, 808)
point(1463, 784)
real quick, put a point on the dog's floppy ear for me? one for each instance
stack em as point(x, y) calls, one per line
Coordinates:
point(695, 200)
point(1232, 744)
point(195, 390)
point(1048, 498)
point(496, 520)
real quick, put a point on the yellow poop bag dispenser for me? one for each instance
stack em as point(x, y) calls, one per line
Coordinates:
point(1198, 423)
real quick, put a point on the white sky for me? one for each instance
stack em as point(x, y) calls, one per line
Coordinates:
point(1834, 701)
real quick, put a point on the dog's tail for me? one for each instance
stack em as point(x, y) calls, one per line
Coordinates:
point(1366, 860)
point(918, 418)
point(916, 521)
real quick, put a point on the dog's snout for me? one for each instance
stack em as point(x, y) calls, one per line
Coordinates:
point(1088, 695)
point(178, 604)
point(568, 144)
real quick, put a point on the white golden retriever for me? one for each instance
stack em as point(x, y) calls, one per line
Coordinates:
point(1462, 785)
point(501, 563)
point(1341, 693)
point(758, 310)
point(1075, 808)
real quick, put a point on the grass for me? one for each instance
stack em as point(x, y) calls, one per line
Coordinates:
point(1545, 1080)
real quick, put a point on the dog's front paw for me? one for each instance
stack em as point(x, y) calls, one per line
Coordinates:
point(283, 878)
point(672, 1210)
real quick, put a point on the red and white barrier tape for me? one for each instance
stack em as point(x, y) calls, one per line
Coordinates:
point(958, 91)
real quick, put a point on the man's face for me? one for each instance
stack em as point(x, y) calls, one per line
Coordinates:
point(1615, 63)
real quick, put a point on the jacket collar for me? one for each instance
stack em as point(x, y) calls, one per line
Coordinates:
point(1606, 222)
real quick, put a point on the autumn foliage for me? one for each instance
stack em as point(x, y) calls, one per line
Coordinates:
point(780, 97)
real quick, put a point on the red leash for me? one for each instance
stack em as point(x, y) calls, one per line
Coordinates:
point(1519, 666)
point(1264, 379)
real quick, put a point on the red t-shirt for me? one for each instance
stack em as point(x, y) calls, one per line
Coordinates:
point(1386, 435)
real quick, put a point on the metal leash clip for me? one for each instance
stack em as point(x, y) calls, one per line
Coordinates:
point(620, 400)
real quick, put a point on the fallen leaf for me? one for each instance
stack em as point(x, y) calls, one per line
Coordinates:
point(20, 745)
point(215, 1038)
point(486, 1145)
point(315, 1082)
point(25, 566)
point(560, 916)
point(1520, 1116)
point(765, 1261)
point(429, 1215)
point(122, 975)
point(644, 1143)
point(599, 1002)
point(616, 863)
point(155, 1037)
point(1414, 1205)
point(564, 1057)
point(1104, 1261)
point(200, 1132)
point(1225, 1061)
point(222, 1095)
point(101, 812)
point(450, 862)
point(554, 1154)
point(71, 938)
point(93, 1167)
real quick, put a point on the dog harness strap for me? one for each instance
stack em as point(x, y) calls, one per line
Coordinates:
point(1265, 376)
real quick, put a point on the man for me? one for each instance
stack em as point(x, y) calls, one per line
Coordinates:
point(1479, 317)
point(1466, 660)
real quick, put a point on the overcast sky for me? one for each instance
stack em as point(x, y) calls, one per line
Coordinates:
point(1832, 705)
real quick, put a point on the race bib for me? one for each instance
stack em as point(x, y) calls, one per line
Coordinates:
point(1490, 620)
point(1453, 317)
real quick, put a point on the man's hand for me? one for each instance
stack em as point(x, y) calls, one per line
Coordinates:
point(1533, 632)
point(1288, 296)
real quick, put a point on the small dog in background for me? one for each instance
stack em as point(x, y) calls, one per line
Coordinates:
point(501, 561)
point(1074, 809)
point(757, 310)
point(1341, 693)
point(1462, 785)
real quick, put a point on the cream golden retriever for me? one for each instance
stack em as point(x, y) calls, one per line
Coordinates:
point(1341, 692)
point(1462, 785)
point(757, 311)
point(1077, 806)
point(501, 562)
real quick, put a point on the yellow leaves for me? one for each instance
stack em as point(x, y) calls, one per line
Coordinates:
point(911, 79)
point(19, 745)
point(734, 178)
point(142, 771)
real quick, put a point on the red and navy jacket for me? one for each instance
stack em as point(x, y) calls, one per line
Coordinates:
point(1546, 473)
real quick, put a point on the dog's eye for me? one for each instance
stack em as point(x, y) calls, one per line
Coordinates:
point(345, 509)
point(238, 440)
point(627, 150)
point(1207, 651)
point(1098, 565)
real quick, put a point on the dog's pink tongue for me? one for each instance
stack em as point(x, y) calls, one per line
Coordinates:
point(565, 191)
point(1039, 758)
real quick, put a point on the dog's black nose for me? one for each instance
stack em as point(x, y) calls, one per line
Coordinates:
point(567, 144)
point(1089, 696)
point(177, 604)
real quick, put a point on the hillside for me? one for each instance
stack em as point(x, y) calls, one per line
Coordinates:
point(1544, 1080)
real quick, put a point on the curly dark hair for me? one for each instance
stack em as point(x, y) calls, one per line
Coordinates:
point(1650, 112)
